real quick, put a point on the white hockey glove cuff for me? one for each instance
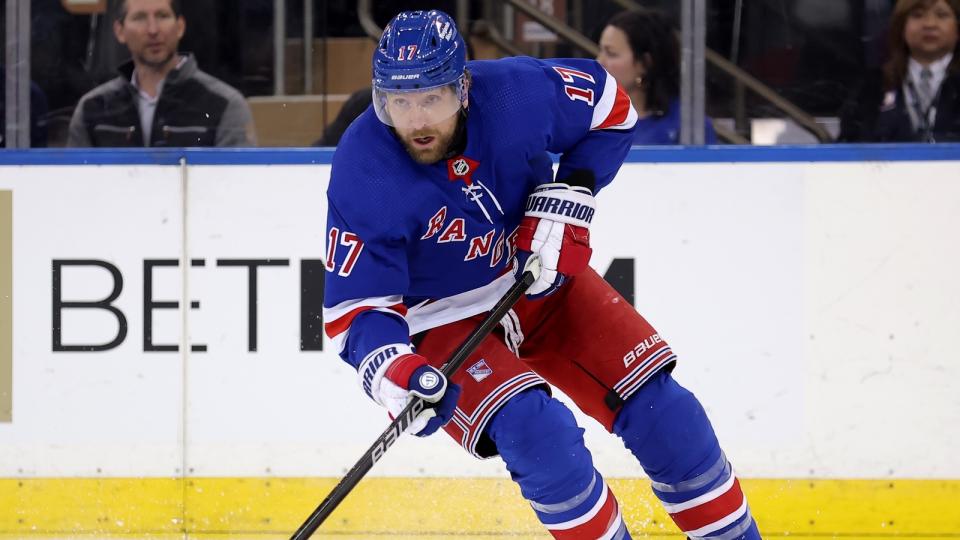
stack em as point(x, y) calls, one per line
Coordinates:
point(374, 366)
point(556, 226)
point(399, 375)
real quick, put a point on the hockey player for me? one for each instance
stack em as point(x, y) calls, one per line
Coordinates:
point(438, 193)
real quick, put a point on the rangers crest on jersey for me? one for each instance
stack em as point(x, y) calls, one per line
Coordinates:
point(480, 370)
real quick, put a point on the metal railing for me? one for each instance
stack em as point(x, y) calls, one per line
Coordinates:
point(744, 79)
point(16, 133)
point(715, 59)
point(784, 105)
point(582, 42)
point(485, 30)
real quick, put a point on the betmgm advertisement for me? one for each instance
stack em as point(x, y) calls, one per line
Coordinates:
point(162, 349)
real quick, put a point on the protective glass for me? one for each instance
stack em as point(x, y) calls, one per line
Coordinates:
point(418, 108)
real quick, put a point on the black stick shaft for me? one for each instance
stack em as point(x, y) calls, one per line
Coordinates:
point(403, 420)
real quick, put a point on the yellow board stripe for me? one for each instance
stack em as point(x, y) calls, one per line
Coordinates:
point(6, 306)
point(446, 507)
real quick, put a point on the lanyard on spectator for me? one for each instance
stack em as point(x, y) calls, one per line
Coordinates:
point(924, 124)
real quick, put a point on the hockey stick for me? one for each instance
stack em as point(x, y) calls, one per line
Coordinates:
point(410, 412)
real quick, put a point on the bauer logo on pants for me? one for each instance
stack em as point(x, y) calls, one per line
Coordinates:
point(6, 306)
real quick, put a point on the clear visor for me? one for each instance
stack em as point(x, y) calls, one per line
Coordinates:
point(416, 109)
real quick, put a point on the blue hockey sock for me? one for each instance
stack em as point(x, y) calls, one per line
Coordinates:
point(542, 446)
point(667, 430)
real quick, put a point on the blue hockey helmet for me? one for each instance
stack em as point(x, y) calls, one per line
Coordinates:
point(419, 51)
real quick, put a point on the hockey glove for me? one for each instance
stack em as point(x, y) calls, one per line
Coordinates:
point(410, 375)
point(556, 226)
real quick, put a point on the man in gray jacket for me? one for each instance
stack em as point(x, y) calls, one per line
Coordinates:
point(161, 98)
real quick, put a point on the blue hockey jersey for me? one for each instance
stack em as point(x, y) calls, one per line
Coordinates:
point(665, 128)
point(412, 246)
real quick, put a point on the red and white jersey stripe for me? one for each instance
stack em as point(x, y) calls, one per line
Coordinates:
point(339, 317)
point(457, 307)
point(614, 109)
point(420, 317)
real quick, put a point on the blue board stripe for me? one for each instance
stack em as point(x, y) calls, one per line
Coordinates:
point(638, 154)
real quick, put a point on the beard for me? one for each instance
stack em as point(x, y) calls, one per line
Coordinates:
point(443, 143)
point(428, 156)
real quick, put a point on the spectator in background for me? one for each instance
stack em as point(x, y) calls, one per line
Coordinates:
point(38, 113)
point(352, 108)
point(916, 96)
point(640, 49)
point(160, 98)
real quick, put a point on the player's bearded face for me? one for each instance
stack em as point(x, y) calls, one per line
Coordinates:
point(426, 122)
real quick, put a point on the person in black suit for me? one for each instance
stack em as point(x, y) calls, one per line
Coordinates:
point(916, 96)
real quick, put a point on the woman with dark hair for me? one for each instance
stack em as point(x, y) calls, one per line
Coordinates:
point(640, 49)
point(916, 96)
